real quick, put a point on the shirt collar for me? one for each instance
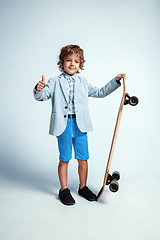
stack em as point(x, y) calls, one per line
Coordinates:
point(66, 76)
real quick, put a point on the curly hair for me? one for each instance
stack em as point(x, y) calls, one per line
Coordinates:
point(70, 49)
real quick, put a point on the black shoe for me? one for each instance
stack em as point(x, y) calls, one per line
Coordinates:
point(87, 193)
point(66, 197)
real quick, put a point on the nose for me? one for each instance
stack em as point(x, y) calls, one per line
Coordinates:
point(72, 62)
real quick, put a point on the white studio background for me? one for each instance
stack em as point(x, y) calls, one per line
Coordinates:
point(117, 36)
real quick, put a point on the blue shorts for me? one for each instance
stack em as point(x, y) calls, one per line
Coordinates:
point(72, 136)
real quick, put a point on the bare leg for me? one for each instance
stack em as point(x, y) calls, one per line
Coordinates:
point(63, 174)
point(83, 172)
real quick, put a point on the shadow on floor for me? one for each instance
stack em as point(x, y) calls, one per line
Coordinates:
point(25, 173)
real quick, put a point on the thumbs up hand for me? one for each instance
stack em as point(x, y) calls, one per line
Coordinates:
point(41, 84)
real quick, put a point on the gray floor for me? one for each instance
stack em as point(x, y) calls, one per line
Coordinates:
point(31, 210)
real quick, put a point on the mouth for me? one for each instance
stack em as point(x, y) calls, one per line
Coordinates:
point(70, 68)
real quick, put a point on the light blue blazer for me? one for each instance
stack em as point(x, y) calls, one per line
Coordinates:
point(56, 89)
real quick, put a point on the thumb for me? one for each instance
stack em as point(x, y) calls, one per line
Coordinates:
point(43, 78)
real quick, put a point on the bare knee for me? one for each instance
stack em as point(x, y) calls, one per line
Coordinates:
point(82, 162)
point(63, 163)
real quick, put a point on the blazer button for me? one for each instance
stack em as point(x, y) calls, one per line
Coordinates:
point(65, 116)
point(66, 107)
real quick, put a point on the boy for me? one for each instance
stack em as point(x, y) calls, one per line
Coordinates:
point(70, 119)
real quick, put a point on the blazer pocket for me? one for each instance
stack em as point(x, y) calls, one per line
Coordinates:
point(87, 119)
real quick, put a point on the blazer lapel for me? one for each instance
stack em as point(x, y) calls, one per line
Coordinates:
point(63, 85)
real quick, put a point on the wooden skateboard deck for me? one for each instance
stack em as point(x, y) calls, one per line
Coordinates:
point(113, 140)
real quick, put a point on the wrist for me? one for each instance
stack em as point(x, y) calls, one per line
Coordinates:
point(118, 81)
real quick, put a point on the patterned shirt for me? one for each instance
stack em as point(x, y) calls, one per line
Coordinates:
point(70, 90)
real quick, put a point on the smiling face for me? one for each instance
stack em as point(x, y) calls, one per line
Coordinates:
point(71, 64)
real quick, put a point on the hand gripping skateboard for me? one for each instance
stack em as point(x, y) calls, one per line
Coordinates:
point(112, 180)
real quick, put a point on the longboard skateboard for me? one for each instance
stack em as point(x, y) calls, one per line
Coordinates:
point(112, 180)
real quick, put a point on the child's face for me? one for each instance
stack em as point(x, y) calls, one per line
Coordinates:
point(71, 64)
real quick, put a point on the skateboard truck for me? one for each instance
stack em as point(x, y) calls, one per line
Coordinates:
point(133, 101)
point(112, 180)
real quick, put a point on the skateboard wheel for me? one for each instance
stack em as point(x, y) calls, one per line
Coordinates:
point(114, 186)
point(109, 179)
point(127, 99)
point(116, 175)
point(133, 101)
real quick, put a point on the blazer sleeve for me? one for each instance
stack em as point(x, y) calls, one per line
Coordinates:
point(104, 91)
point(46, 93)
